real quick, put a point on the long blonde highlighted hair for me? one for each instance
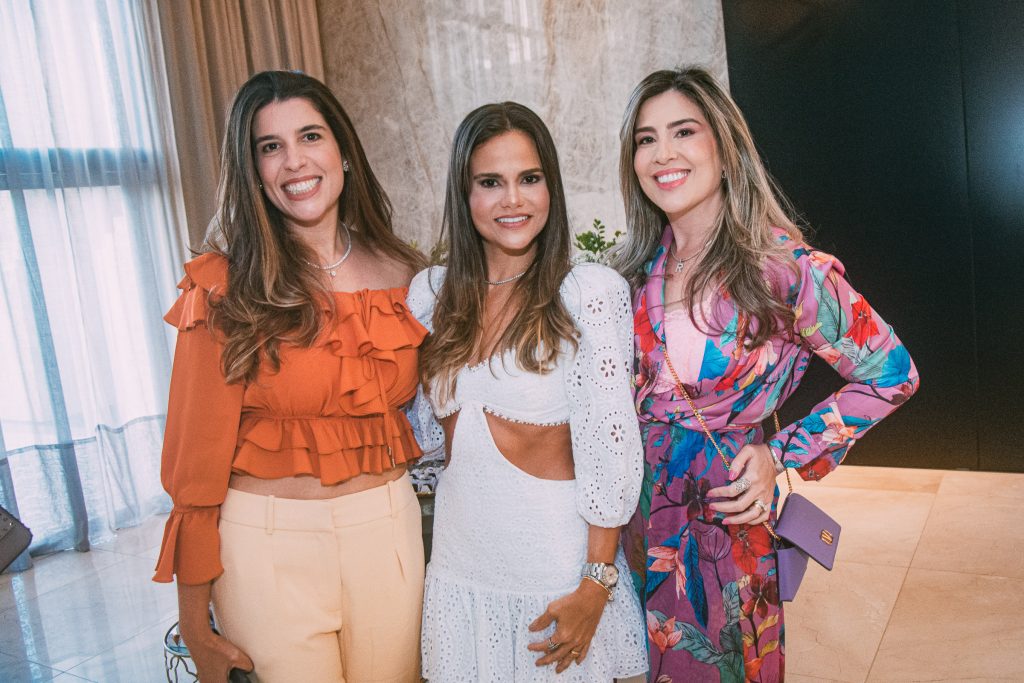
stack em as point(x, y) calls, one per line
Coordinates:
point(542, 323)
point(742, 241)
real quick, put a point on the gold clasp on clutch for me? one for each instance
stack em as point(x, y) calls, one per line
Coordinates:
point(826, 536)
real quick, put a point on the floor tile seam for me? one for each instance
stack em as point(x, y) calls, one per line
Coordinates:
point(924, 527)
point(127, 554)
point(113, 647)
point(888, 623)
point(20, 657)
point(86, 575)
point(89, 574)
point(156, 621)
point(985, 575)
point(861, 563)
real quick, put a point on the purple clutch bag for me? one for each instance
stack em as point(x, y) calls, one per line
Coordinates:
point(807, 532)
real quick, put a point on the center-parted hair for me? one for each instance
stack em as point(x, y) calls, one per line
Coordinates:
point(541, 323)
point(274, 295)
point(742, 240)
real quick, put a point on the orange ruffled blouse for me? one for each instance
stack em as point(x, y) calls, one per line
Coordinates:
point(332, 411)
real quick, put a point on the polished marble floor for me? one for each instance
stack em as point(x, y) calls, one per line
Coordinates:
point(928, 586)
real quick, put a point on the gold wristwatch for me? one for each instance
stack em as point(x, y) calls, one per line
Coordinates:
point(603, 573)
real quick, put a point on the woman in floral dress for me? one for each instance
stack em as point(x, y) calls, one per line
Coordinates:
point(729, 302)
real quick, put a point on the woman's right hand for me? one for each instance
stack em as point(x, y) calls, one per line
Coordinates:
point(215, 656)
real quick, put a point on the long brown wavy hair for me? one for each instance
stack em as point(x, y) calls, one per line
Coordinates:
point(542, 323)
point(742, 241)
point(274, 295)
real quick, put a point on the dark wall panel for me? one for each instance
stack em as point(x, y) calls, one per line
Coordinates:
point(992, 50)
point(858, 110)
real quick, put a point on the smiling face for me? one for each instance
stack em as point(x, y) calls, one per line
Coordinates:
point(677, 161)
point(509, 198)
point(298, 162)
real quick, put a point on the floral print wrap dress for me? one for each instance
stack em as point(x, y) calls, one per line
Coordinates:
point(710, 590)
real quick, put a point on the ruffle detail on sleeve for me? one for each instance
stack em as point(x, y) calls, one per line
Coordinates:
point(191, 546)
point(204, 275)
point(331, 448)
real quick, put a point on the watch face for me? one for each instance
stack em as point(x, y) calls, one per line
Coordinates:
point(611, 574)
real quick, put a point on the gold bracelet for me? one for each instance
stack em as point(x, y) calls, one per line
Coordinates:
point(607, 589)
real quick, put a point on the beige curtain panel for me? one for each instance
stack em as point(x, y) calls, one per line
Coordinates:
point(212, 47)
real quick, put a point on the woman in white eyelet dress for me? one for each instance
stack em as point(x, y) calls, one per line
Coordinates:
point(509, 546)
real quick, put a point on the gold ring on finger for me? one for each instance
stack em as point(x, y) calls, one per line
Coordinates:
point(574, 653)
point(742, 484)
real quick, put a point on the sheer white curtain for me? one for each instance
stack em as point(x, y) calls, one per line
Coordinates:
point(90, 243)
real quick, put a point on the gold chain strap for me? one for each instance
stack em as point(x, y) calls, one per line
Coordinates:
point(699, 414)
point(778, 428)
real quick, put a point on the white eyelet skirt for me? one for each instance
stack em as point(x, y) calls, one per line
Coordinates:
point(506, 544)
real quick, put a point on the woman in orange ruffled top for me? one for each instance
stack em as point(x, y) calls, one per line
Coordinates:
point(286, 448)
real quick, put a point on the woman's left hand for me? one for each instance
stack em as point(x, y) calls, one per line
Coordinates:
point(753, 466)
point(576, 616)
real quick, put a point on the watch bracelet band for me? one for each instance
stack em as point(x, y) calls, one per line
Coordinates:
point(611, 596)
point(597, 571)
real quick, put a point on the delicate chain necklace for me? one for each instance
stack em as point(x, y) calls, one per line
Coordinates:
point(332, 268)
point(680, 262)
point(506, 280)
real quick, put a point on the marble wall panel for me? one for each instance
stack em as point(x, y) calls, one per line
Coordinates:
point(408, 72)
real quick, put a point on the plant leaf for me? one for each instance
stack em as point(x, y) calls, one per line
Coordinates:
point(731, 602)
point(695, 591)
point(697, 644)
point(767, 623)
point(768, 647)
point(731, 638)
point(730, 668)
point(830, 316)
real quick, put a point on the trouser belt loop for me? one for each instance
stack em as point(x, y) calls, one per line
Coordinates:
point(269, 525)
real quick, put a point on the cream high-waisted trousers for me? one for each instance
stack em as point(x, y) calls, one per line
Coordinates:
point(323, 591)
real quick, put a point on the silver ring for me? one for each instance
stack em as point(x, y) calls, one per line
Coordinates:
point(552, 645)
point(761, 504)
point(742, 484)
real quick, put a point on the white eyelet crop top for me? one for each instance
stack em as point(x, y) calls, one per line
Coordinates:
point(590, 390)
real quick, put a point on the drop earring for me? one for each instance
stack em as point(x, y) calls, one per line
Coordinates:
point(344, 166)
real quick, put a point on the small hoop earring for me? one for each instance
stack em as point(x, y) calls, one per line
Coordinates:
point(344, 166)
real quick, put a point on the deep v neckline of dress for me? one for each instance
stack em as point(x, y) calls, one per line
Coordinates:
point(654, 294)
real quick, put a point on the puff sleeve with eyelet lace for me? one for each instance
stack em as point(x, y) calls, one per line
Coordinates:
point(607, 450)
